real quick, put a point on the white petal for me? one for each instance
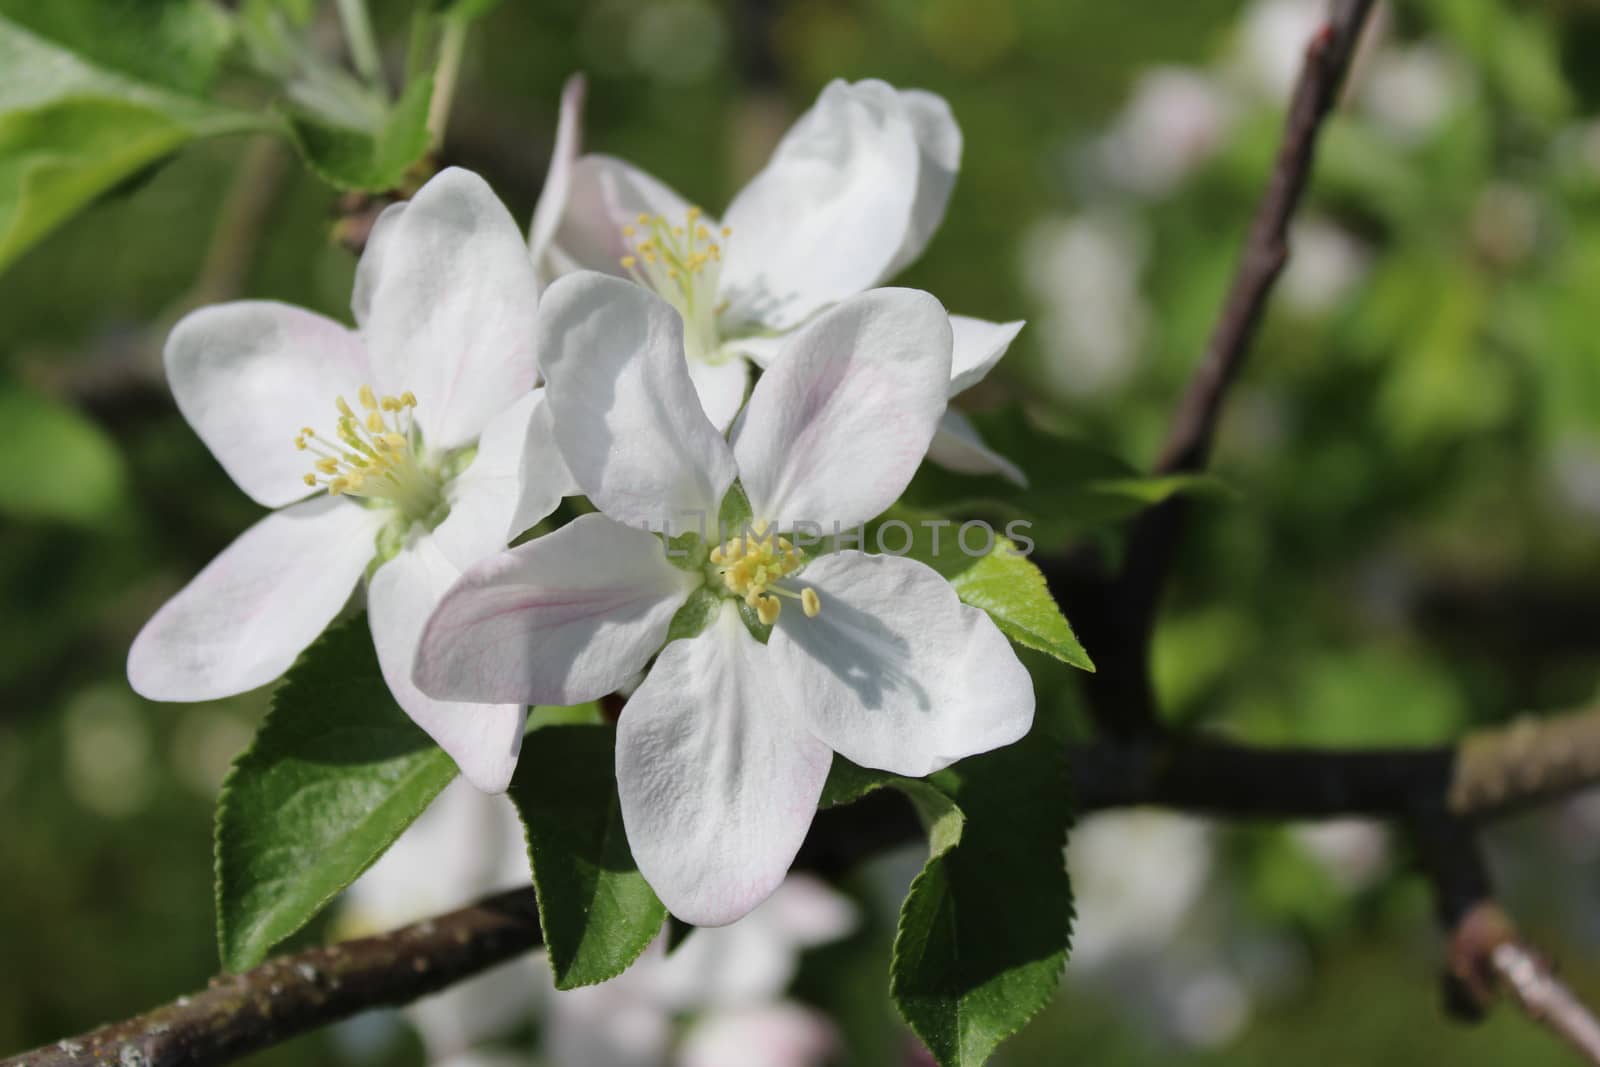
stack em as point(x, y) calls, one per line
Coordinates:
point(565, 618)
point(248, 375)
point(483, 739)
point(516, 479)
point(608, 194)
point(838, 426)
point(978, 347)
point(720, 387)
point(760, 349)
point(958, 447)
point(558, 178)
point(939, 151)
point(450, 306)
point(242, 621)
point(606, 1024)
point(627, 418)
point(780, 1034)
point(717, 777)
point(895, 672)
point(827, 216)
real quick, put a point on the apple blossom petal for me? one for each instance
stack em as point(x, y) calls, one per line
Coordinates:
point(760, 349)
point(608, 194)
point(939, 152)
point(249, 375)
point(721, 388)
point(978, 347)
point(895, 672)
point(557, 189)
point(827, 216)
point(958, 447)
point(717, 777)
point(516, 479)
point(835, 430)
point(242, 620)
point(450, 299)
point(779, 1034)
point(627, 418)
point(563, 619)
point(483, 739)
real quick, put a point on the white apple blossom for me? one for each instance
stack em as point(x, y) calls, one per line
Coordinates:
point(723, 749)
point(851, 196)
point(429, 407)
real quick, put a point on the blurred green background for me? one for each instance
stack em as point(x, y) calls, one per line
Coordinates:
point(1409, 547)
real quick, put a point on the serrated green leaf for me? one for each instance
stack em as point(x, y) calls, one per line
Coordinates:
point(596, 909)
point(54, 463)
point(334, 775)
point(1001, 580)
point(984, 931)
point(71, 131)
point(368, 160)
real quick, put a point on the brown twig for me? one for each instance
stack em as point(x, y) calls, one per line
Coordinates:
point(1124, 608)
point(1488, 958)
point(240, 1014)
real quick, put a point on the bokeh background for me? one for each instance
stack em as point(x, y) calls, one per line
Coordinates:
point(1409, 545)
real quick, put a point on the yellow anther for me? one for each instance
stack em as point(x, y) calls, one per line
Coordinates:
point(644, 220)
point(375, 423)
point(702, 234)
point(727, 231)
point(309, 479)
point(767, 609)
point(408, 398)
point(629, 262)
point(391, 403)
point(394, 441)
point(338, 485)
point(344, 408)
point(810, 603)
point(327, 465)
point(694, 213)
point(368, 398)
point(628, 231)
point(300, 443)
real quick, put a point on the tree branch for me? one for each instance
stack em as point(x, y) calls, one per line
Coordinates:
point(240, 1014)
point(1438, 791)
point(1120, 694)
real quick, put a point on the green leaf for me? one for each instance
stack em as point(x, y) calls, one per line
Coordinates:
point(70, 131)
point(984, 931)
point(368, 160)
point(1002, 581)
point(463, 9)
point(176, 44)
point(1073, 486)
point(334, 775)
point(54, 463)
point(595, 907)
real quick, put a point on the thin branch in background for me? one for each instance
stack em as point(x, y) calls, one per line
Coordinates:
point(1489, 958)
point(1124, 609)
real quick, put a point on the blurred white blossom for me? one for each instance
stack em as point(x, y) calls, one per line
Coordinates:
point(1083, 272)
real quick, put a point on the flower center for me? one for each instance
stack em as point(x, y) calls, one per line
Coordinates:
point(377, 455)
point(751, 567)
point(682, 264)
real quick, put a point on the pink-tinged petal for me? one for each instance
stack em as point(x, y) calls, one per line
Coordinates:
point(483, 739)
point(242, 621)
point(835, 430)
point(895, 672)
point(939, 154)
point(516, 479)
point(607, 195)
point(978, 347)
point(827, 216)
point(720, 387)
point(563, 619)
point(249, 375)
point(450, 304)
point(958, 447)
point(718, 778)
point(557, 189)
point(627, 417)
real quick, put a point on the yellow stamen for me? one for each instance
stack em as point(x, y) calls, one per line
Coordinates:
point(810, 603)
point(767, 609)
point(368, 398)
